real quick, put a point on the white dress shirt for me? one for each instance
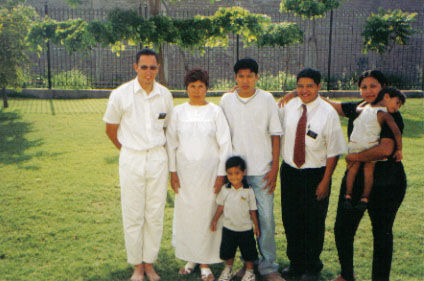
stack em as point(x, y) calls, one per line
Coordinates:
point(252, 123)
point(141, 117)
point(324, 136)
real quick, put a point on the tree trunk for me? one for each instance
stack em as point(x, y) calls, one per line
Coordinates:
point(155, 9)
point(5, 103)
point(162, 68)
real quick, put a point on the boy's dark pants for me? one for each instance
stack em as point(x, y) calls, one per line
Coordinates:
point(303, 217)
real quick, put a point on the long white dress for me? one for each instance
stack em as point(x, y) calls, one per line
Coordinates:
point(198, 144)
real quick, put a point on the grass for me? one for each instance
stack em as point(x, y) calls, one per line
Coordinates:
point(60, 216)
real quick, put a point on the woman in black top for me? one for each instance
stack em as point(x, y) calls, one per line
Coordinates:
point(387, 193)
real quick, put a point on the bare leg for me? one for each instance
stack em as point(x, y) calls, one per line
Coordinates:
point(368, 179)
point(150, 272)
point(138, 274)
point(350, 177)
point(249, 265)
point(350, 180)
point(229, 262)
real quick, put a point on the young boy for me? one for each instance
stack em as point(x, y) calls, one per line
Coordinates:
point(237, 202)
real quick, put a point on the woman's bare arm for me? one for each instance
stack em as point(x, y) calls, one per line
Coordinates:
point(380, 152)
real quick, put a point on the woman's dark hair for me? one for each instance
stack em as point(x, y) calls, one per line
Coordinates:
point(310, 73)
point(196, 74)
point(236, 161)
point(246, 63)
point(392, 92)
point(376, 74)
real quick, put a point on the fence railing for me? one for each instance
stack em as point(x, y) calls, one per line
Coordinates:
point(339, 57)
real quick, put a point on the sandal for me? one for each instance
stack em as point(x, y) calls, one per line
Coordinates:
point(188, 268)
point(207, 274)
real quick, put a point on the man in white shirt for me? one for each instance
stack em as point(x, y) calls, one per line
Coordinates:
point(255, 129)
point(311, 144)
point(136, 117)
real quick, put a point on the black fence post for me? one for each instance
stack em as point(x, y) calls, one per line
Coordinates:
point(329, 52)
point(49, 74)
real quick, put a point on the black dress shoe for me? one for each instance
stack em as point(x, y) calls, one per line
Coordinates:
point(309, 277)
point(290, 273)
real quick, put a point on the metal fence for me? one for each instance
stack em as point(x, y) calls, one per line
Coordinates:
point(339, 58)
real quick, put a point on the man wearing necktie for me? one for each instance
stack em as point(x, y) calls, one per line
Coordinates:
point(311, 144)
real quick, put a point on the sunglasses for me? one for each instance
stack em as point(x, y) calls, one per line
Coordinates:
point(145, 67)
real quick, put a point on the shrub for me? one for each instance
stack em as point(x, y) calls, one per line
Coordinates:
point(73, 80)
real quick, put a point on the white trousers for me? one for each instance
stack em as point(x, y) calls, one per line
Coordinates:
point(144, 182)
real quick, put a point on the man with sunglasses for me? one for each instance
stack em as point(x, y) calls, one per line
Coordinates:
point(136, 117)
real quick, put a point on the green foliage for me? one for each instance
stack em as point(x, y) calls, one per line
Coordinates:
point(308, 9)
point(235, 20)
point(386, 28)
point(73, 80)
point(73, 34)
point(14, 25)
point(124, 27)
point(73, 3)
point(281, 34)
point(9, 4)
point(268, 81)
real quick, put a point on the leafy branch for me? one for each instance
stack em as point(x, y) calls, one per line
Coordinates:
point(384, 29)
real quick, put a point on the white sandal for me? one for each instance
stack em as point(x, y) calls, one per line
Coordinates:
point(206, 274)
point(188, 268)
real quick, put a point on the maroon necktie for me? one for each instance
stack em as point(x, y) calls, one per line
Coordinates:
point(299, 142)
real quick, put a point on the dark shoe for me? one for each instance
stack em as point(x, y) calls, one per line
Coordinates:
point(289, 273)
point(362, 206)
point(309, 277)
point(347, 204)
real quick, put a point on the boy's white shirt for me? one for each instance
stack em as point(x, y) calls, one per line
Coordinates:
point(237, 206)
point(252, 123)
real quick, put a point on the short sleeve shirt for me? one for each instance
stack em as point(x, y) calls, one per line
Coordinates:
point(323, 137)
point(141, 117)
point(237, 204)
point(252, 123)
point(350, 111)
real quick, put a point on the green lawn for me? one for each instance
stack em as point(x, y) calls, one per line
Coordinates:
point(60, 216)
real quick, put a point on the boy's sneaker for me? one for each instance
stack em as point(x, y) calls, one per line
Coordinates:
point(226, 274)
point(249, 276)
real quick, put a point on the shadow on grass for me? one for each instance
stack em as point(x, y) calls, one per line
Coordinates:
point(13, 143)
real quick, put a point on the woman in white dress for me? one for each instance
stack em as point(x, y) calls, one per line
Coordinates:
point(198, 144)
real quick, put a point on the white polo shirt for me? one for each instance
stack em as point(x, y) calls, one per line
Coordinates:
point(252, 123)
point(237, 204)
point(324, 136)
point(141, 117)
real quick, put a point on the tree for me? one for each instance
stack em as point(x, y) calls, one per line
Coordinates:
point(126, 27)
point(309, 9)
point(384, 29)
point(15, 22)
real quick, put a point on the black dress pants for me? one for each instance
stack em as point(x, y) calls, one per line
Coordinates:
point(303, 217)
point(386, 196)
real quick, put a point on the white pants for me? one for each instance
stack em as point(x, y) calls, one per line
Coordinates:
point(144, 183)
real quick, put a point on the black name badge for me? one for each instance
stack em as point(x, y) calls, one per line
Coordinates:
point(312, 134)
point(162, 115)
